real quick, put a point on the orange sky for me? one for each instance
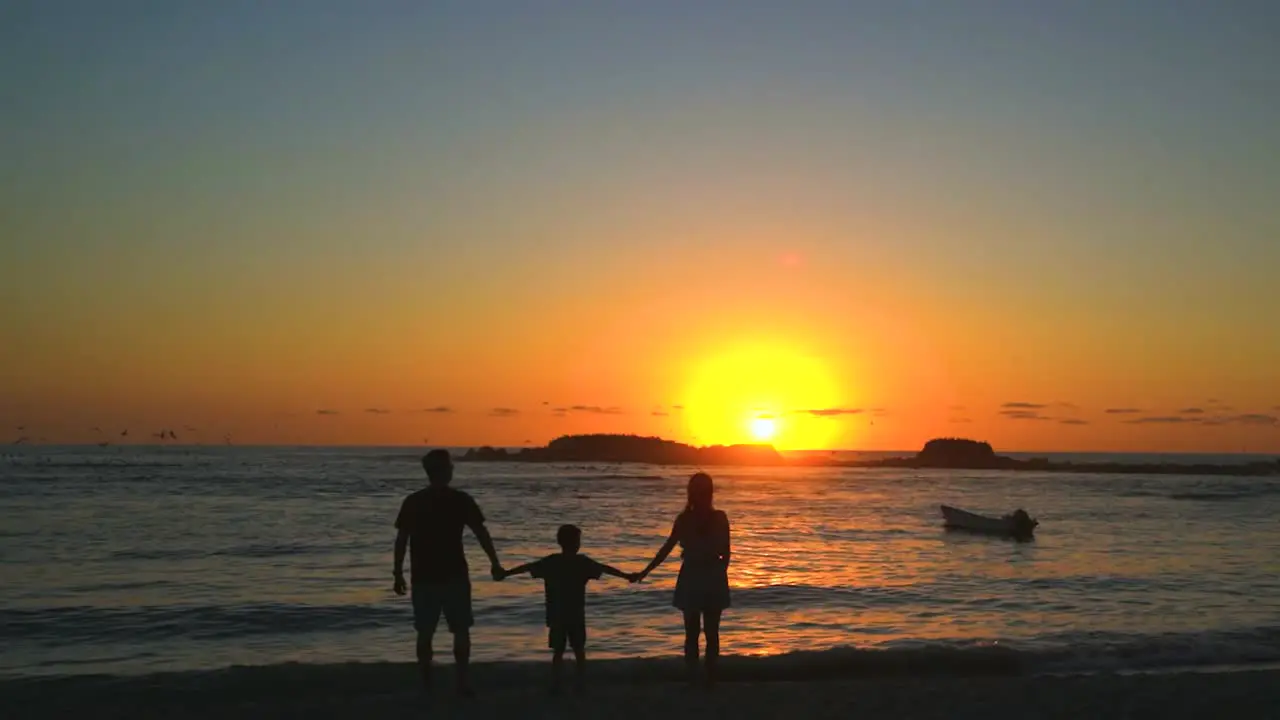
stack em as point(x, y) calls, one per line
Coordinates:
point(904, 222)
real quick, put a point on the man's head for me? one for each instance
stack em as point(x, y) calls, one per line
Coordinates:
point(439, 467)
point(570, 538)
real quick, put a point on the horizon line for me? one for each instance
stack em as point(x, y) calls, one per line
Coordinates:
point(16, 449)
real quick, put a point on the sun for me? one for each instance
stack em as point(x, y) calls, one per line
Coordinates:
point(766, 391)
point(764, 428)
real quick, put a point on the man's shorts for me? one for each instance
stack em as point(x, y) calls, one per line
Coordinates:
point(452, 597)
point(573, 633)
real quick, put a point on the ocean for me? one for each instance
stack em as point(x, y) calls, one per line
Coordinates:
point(129, 561)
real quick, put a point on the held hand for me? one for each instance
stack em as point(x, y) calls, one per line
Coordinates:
point(498, 573)
point(634, 577)
point(399, 586)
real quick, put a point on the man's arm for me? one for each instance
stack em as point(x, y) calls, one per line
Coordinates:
point(527, 567)
point(397, 570)
point(486, 543)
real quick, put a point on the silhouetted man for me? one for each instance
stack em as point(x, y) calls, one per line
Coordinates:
point(430, 524)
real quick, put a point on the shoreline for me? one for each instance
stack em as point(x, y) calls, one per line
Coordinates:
point(390, 690)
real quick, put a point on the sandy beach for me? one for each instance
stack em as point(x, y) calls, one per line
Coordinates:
point(388, 692)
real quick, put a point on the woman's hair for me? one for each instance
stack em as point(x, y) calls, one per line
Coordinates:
point(700, 490)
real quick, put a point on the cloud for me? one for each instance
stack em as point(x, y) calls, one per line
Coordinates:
point(832, 412)
point(660, 413)
point(1255, 419)
point(1163, 420)
point(1122, 411)
point(503, 412)
point(596, 409)
point(960, 420)
point(1067, 405)
point(880, 412)
point(677, 407)
point(1023, 406)
point(1191, 411)
point(1024, 415)
point(1072, 421)
point(377, 411)
point(328, 412)
point(437, 409)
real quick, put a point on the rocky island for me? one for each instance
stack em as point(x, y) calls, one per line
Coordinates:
point(963, 454)
point(940, 453)
point(630, 449)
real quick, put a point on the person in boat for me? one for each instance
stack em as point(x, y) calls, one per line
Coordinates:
point(702, 587)
point(1022, 522)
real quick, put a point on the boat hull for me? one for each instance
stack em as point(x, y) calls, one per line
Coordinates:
point(957, 519)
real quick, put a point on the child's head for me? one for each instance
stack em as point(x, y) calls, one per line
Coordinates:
point(570, 538)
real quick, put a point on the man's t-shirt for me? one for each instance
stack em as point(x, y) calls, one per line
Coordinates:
point(434, 519)
point(565, 581)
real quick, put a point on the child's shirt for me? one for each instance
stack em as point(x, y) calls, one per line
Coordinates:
point(565, 583)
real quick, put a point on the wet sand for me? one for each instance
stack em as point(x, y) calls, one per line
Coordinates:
point(1237, 695)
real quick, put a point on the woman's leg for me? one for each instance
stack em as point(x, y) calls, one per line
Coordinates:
point(711, 625)
point(692, 629)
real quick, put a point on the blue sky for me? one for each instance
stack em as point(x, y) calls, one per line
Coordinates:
point(1108, 169)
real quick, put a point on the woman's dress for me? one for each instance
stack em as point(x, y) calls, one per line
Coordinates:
point(703, 583)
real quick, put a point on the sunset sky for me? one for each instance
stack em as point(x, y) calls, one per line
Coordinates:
point(827, 224)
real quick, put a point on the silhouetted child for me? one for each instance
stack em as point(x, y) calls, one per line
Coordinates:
point(565, 575)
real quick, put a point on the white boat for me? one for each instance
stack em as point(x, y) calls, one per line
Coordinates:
point(1016, 524)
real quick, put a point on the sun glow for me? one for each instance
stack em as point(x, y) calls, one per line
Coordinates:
point(764, 428)
point(762, 393)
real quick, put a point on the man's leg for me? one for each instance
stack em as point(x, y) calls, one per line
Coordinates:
point(424, 658)
point(462, 660)
point(426, 615)
point(457, 614)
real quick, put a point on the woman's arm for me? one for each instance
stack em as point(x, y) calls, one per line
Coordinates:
point(724, 539)
point(663, 551)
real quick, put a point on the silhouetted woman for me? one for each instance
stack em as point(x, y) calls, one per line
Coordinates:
point(702, 588)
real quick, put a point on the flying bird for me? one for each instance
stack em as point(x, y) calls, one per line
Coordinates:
point(124, 433)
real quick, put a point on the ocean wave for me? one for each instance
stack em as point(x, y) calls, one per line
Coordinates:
point(1077, 653)
point(200, 622)
point(1099, 651)
point(90, 624)
point(1225, 494)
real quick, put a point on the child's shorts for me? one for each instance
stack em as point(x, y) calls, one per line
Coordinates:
point(572, 633)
